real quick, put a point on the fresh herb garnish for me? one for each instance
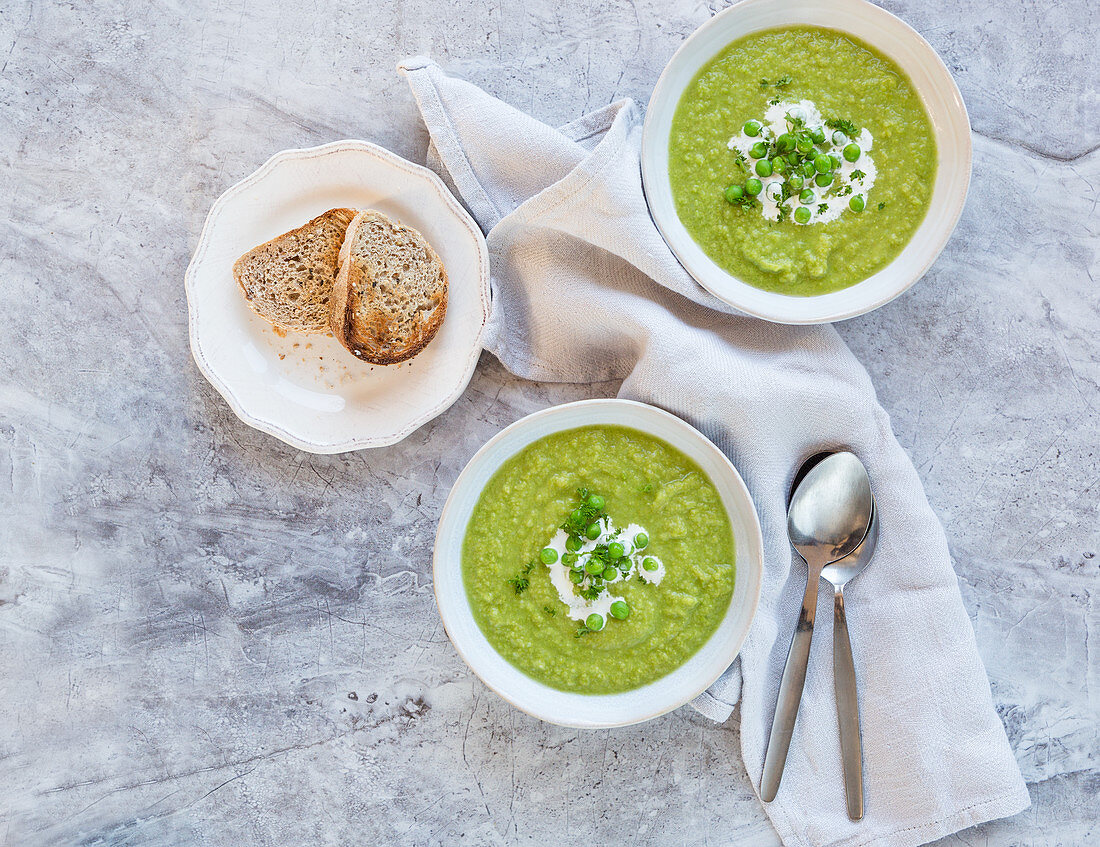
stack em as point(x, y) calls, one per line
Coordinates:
point(822, 208)
point(845, 126)
point(794, 123)
point(783, 81)
point(845, 191)
point(881, 206)
point(597, 555)
point(858, 174)
point(784, 213)
point(520, 581)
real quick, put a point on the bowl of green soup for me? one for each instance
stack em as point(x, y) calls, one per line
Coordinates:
point(806, 160)
point(598, 563)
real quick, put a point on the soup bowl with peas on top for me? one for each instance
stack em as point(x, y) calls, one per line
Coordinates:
point(598, 563)
point(806, 160)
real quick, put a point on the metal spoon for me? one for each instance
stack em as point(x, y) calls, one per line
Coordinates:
point(844, 671)
point(828, 516)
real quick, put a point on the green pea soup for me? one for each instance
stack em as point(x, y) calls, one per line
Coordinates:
point(644, 481)
point(805, 252)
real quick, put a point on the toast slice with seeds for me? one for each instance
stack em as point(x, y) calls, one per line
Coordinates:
point(288, 281)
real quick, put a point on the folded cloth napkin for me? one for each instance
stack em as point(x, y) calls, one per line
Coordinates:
point(585, 289)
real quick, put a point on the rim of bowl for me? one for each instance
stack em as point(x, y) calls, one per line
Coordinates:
point(650, 702)
point(950, 123)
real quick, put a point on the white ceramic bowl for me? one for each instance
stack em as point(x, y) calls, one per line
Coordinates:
point(602, 710)
point(307, 389)
point(936, 89)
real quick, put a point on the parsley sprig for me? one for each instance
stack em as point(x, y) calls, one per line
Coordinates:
point(845, 126)
point(521, 581)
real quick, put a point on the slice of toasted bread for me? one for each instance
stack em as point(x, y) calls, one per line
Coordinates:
point(390, 295)
point(288, 280)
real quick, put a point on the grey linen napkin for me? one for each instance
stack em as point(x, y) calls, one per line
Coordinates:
point(585, 289)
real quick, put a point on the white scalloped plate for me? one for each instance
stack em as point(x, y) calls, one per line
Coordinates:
point(307, 390)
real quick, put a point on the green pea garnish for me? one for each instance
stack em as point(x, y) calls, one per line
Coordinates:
point(593, 531)
point(856, 203)
point(807, 196)
point(753, 187)
point(763, 168)
point(824, 179)
point(620, 609)
point(752, 128)
point(733, 193)
point(641, 540)
point(795, 182)
point(759, 150)
point(594, 567)
point(594, 622)
point(852, 152)
point(548, 555)
point(573, 544)
point(802, 215)
point(649, 563)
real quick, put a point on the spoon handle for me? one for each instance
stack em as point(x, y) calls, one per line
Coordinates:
point(847, 708)
point(790, 692)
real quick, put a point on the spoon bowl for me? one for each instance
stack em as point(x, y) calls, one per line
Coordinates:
point(842, 571)
point(830, 509)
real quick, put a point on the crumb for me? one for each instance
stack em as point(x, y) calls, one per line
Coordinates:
point(295, 345)
point(282, 356)
point(279, 331)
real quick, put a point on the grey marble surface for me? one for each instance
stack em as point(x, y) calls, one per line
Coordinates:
point(207, 637)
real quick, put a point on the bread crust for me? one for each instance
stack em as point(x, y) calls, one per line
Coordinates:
point(341, 217)
point(371, 339)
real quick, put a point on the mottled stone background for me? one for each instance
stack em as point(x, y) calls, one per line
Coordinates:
point(207, 637)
